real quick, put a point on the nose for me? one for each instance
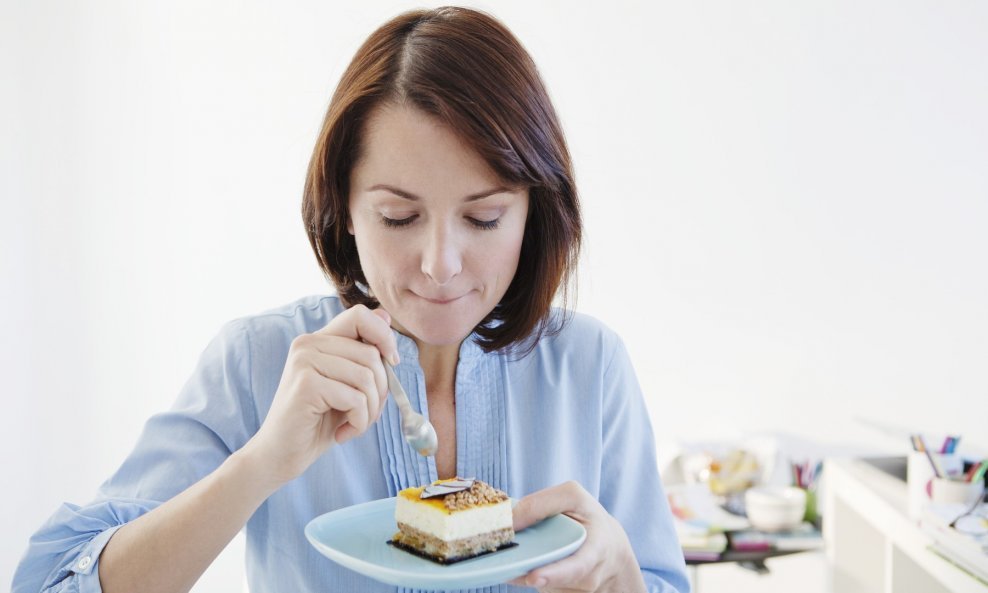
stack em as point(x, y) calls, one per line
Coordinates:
point(441, 257)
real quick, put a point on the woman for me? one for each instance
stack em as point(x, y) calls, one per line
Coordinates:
point(440, 202)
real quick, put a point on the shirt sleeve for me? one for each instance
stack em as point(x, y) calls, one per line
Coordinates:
point(213, 416)
point(630, 486)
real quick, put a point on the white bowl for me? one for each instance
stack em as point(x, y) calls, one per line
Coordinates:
point(772, 508)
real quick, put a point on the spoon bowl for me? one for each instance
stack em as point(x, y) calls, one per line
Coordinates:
point(418, 432)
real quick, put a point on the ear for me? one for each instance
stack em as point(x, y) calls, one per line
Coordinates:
point(349, 225)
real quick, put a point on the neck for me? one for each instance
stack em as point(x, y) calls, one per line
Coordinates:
point(439, 366)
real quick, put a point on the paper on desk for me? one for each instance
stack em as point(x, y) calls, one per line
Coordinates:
point(936, 521)
point(697, 510)
point(967, 550)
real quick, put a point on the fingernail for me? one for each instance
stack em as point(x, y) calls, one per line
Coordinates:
point(395, 359)
point(539, 582)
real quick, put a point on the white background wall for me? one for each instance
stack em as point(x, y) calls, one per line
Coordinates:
point(786, 209)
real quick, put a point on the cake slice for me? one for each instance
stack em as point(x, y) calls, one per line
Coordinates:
point(452, 520)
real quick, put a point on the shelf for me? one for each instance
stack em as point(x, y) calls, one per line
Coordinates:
point(871, 543)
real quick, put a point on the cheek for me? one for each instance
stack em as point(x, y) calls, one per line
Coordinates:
point(373, 249)
point(388, 261)
point(500, 254)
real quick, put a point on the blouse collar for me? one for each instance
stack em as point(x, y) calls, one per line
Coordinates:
point(470, 350)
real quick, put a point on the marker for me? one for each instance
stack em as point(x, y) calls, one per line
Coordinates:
point(944, 448)
point(979, 474)
point(953, 444)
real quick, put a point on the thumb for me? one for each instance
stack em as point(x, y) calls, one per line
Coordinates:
point(533, 508)
point(569, 498)
point(380, 312)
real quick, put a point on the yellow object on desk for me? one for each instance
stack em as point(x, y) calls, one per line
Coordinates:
point(735, 472)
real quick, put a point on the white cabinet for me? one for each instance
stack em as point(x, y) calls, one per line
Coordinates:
point(872, 545)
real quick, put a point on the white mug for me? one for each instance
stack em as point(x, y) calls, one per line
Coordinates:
point(947, 490)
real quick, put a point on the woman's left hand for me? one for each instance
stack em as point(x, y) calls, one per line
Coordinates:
point(605, 561)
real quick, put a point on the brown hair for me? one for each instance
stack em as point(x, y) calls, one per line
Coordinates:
point(467, 69)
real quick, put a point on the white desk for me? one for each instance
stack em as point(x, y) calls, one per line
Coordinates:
point(872, 545)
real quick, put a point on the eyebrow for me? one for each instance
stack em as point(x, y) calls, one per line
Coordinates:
point(410, 196)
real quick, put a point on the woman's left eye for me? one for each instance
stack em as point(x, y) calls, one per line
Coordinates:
point(487, 225)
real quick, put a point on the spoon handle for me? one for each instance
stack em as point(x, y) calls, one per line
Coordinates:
point(394, 386)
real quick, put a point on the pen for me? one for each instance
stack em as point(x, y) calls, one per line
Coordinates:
point(945, 446)
point(936, 467)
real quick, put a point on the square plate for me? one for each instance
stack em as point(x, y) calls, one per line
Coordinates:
point(357, 537)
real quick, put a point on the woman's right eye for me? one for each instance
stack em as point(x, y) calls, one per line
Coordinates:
point(398, 222)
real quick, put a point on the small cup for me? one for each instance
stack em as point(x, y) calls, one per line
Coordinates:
point(772, 508)
point(955, 491)
point(811, 515)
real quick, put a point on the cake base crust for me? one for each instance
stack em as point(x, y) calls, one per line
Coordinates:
point(443, 552)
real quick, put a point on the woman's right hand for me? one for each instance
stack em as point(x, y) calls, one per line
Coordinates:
point(332, 389)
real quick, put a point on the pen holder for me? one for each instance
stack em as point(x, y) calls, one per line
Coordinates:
point(920, 474)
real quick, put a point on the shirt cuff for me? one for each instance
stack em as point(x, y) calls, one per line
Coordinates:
point(86, 562)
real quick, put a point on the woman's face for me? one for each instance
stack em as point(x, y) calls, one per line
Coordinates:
point(438, 233)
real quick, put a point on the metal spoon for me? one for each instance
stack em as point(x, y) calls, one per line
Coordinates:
point(417, 430)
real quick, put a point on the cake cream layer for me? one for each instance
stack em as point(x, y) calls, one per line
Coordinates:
point(433, 519)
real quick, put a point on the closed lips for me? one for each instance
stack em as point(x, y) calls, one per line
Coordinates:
point(441, 300)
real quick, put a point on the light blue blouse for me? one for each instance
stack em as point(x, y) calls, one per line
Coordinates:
point(570, 410)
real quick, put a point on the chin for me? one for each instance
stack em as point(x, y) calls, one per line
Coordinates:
point(441, 333)
point(441, 326)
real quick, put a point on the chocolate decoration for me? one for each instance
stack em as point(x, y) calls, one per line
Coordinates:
point(467, 483)
point(451, 487)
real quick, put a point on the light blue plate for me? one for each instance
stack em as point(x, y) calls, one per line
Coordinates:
point(356, 537)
